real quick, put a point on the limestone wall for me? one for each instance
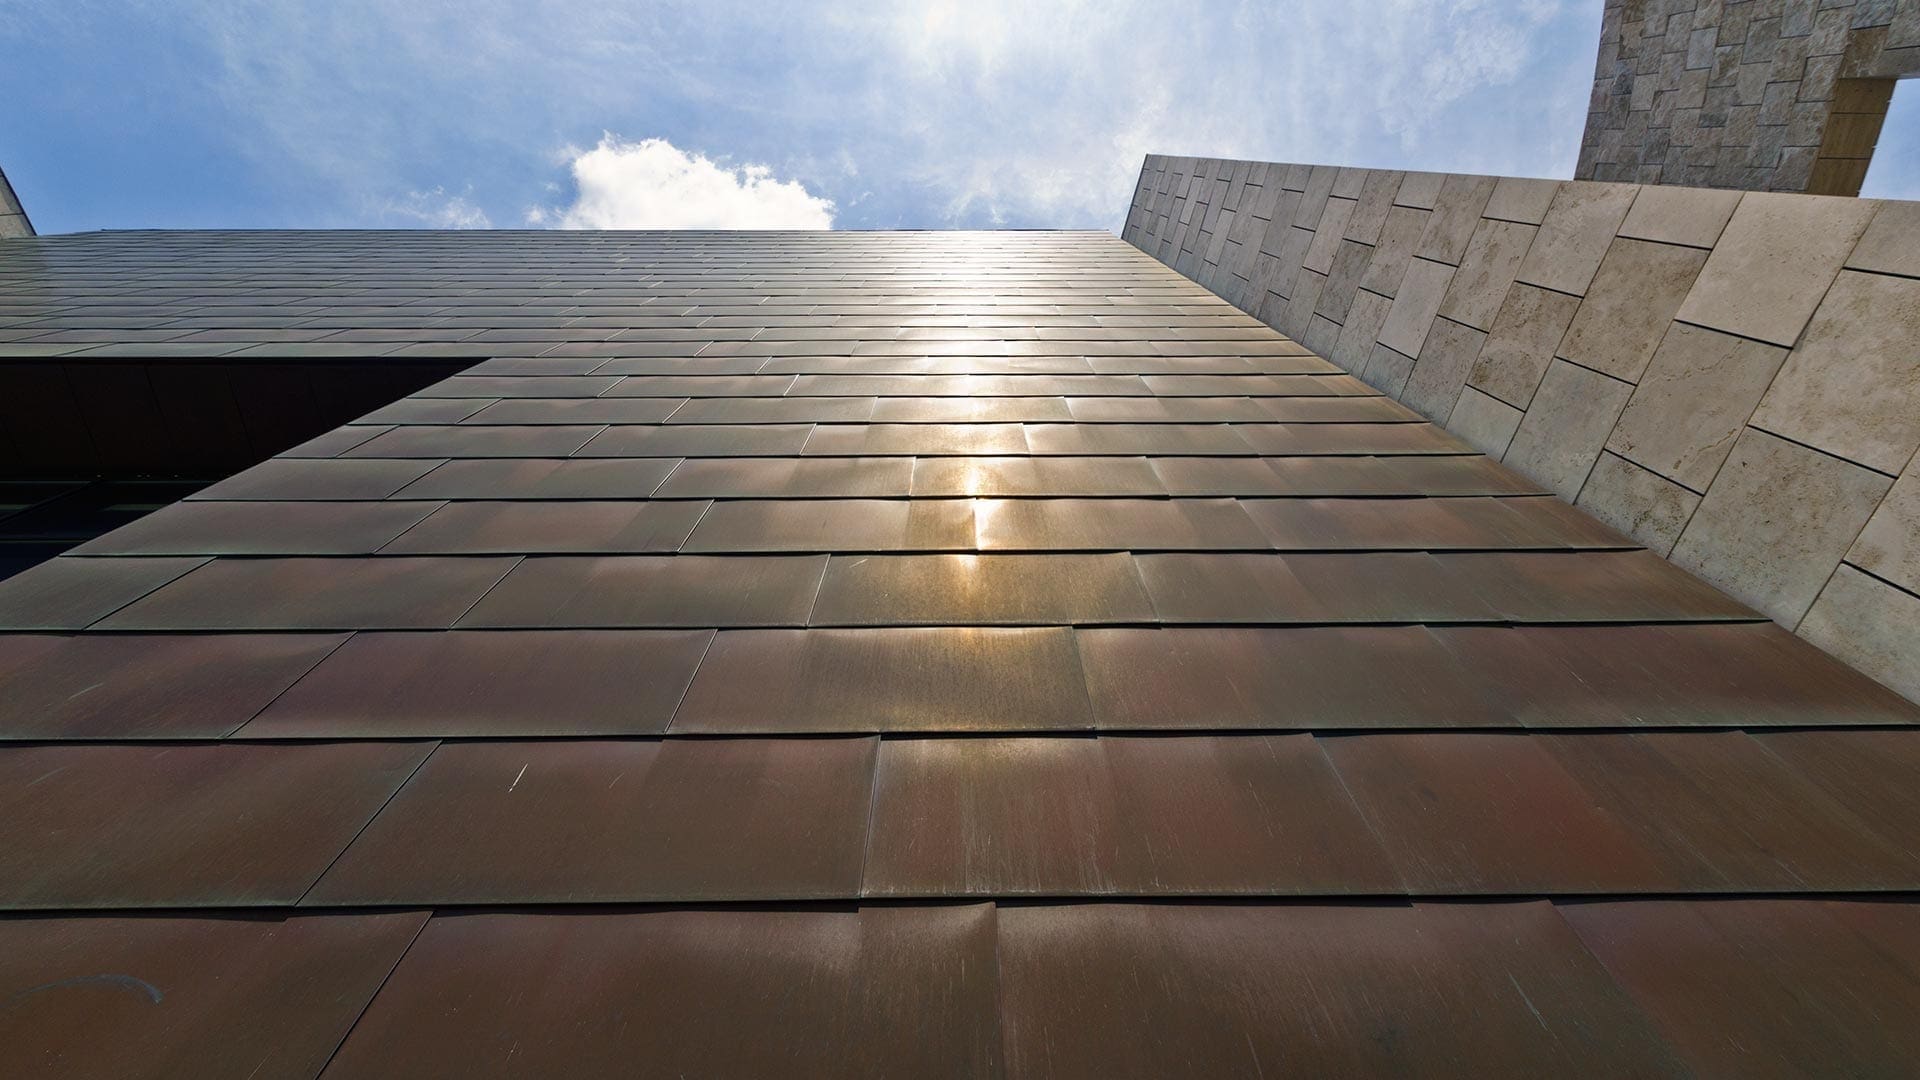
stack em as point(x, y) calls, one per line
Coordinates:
point(1760, 95)
point(13, 219)
point(1732, 378)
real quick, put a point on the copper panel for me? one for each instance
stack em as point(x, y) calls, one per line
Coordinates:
point(1228, 588)
point(295, 478)
point(1154, 410)
point(851, 410)
point(969, 385)
point(477, 441)
point(1723, 814)
point(580, 821)
point(199, 825)
point(1768, 988)
point(668, 365)
point(680, 386)
point(1115, 524)
point(1462, 475)
point(1336, 410)
point(906, 590)
point(1471, 813)
point(316, 594)
point(899, 992)
point(112, 686)
point(519, 386)
point(892, 679)
point(262, 528)
point(789, 478)
point(836, 525)
point(1725, 675)
point(1255, 385)
point(993, 817)
point(1135, 439)
point(1222, 476)
point(542, 478)
point(577, 411)
point(1350, 439)
point(1590, 586)
point(1202, 990)
point(1871, 773)
point(72, 593)
point(424, 410)
point(538, 682)
point(204, 997)
point(482, 528)
point(699, 440)
point(643, 590)
point(968, 410)
point(1015, 476)
point(1303, 678)
point(854, 439)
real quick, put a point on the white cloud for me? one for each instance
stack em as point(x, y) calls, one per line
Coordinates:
point(653, 184)
point(435, 209)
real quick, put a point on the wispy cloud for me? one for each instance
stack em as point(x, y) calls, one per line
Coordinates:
point(653, 184)
point(435, 209)
point(948, 112)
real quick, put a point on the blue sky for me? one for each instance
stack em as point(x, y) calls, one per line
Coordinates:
point(241, 113)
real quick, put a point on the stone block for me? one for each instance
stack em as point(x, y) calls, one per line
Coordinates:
point(1890, 544)
point(1485, 423)
point(1891, 244)
point(1388, 371)
point(1398, 239)
point(1520, 199)
point(1361, 330)
point(1693, 401)
point(1645, 505)
point(1349, 263)
point(1524, 339)
point(1776, 522)
point(1446, 358)
point(1852, 386)
point(1455, 216)
point(1774, 262)
point(1326, 236)
point(1579, 227)
point(1415, 307)
point(1566, 426)
point(1492, 258)
point(1420, 190)
point(1370, 210)
point(1675, 215)
point(1630, 304)
point(1870, 625)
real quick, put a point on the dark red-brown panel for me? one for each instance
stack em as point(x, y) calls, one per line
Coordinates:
point(315, 594)
point(642, 590)
point(573, 821)
point(262, 528)
point(1476, 813)
point(203, 825)
point(890, 679)
point(1874, 774)
point(1306, 678)
point(507, 682)
point(475, 441)
point(789, 478)
point(832, 525)
point(311, 479)
point(524, 528)
point(1115, 524)
point(1590, 586)
point(1768, 988)
point(1198, 990)
point(1130, 815)
point(883, 590)
point(541, 478)
point(74, 593)
point(906, 992)
point(1017, 476)
point(113, 686)
point(236, 996)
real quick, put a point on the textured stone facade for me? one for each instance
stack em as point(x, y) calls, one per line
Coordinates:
point(13, 219)
point(1759, 95)
point(1733, 379)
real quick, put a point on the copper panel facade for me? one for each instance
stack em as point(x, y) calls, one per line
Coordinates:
point(262, 528)
point(789, 478)
point(147, 686)
point(891, 679)
point(837, 525)
point(73, 593)
point(1036, 476)
point(226, 996)
point(315, 479)
point(316, 594)
point(184, 826)
point(698, 440)
point(542, 478)
point(646, 590)
point(864, 992)
point(498, 683)
point(594, 821)
point(908, 590)
point(494, 528)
